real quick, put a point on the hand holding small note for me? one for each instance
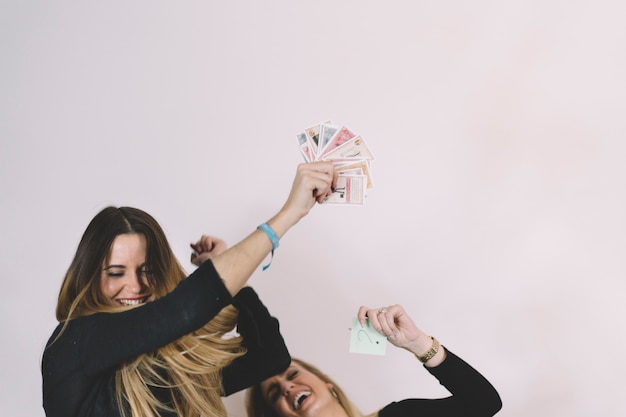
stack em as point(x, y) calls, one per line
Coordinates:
point(365, 339)
point(394, 325)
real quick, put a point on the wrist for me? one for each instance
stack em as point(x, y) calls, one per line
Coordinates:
point(273, 238)
point(420, 345)
point(282, 222)
point(429, 352)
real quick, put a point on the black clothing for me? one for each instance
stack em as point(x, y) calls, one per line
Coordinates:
point(472, 394)
point(79, 367)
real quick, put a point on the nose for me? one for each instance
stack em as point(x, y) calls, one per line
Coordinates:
point(134, 282)
point(286, 387)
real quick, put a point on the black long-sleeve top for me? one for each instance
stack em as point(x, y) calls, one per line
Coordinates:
point(79, 367)
point(472, 395)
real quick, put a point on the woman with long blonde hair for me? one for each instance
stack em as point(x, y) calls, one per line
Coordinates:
point(302, 390)
point(138, 338)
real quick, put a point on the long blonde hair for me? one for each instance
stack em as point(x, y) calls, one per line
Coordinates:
point(190, 366)
point(256, 406)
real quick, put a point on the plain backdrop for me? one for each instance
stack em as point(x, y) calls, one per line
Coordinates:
point(497, 213)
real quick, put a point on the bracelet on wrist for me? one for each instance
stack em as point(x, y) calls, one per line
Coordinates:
point(431, 353)
point(271, 234)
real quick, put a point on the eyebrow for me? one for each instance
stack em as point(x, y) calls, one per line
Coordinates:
point(143, 265)
point(113, 266)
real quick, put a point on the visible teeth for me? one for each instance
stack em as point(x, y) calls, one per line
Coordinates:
point(300, 398)
point(131, 302)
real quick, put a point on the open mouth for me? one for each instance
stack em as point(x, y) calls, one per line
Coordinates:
point(297, 402)
point(128, 302)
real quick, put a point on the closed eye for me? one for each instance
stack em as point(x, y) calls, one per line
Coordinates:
point(273, 394)
point(115, 271)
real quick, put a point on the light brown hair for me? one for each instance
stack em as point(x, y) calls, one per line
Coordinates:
point(190, 366)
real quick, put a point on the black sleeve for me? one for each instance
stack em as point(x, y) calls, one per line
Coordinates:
point(267, 353)
point(78, 366)
point(472, 395)
point(104, 340)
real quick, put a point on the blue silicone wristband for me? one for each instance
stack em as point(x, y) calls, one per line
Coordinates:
point(273, 238)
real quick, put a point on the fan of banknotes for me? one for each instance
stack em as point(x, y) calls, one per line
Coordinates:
point(348, 152)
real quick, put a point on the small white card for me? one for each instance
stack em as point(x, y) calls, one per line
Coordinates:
point(366, 339)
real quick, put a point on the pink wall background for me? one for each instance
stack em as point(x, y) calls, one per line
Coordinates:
point(497, 217)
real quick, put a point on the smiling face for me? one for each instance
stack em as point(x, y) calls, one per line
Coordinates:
point(124, 276)
point(298, 392)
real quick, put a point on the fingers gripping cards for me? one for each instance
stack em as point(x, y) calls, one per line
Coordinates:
point(348, 152)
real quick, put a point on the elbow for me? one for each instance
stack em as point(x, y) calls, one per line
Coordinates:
point(494, 405)
point(485, 406)
point(498, 405)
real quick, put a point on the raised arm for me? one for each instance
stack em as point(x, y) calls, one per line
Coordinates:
point(267, 354)
point(472, 393)
point(398, 327)
point(312, 183)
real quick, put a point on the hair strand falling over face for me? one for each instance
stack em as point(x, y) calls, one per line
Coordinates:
point(190, 366)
